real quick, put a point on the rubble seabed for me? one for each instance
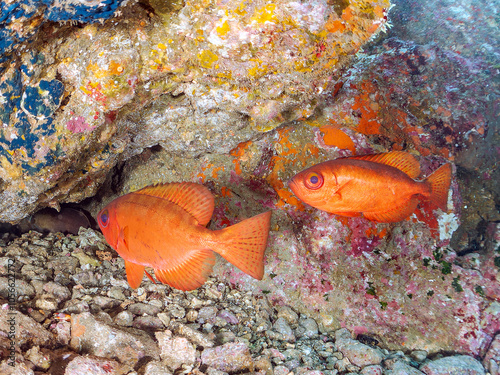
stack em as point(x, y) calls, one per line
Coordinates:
point(74, 313)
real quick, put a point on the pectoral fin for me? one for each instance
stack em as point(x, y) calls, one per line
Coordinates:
point(134, 274)
point(122, 245)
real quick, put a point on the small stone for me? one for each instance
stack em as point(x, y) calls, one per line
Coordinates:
point(85, 259)
point(372, 370)
point(213, 371)
point(75, 306)
point(492, 358)
point(419, 355)
point(192, 335)
point(282, 331)
point(156, 368)
point(213, 293)
point(15, 289)
point(105, 302)
point(116, 293)
point(28, 332)
point(143, 308)
point(400, 367)
point(62, 331)
point(358, 354)
point(195, 303)
point(46, 302)
point(175, 351)
point(176, 311)
point(124, 318)
point(42, 361)
point(207, 314)
point(191, 316)
point(225, 337)
point(289, 315)
point(86, 278)
point(165, 318)
point(59, 292)
point(92, 336)
point(230, 357)
point(228, 316)
point(92, 365)
point(104, 317)
point(454, 365)
point(65, 264)
point(151, 323)
point(281, 370)
point(265, 365)
point(307, 328)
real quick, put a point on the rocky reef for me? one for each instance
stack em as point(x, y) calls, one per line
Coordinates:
point(195, 78)
point(240, 97)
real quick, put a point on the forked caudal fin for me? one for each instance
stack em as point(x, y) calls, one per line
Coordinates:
point(244, 244)
point(440, 184)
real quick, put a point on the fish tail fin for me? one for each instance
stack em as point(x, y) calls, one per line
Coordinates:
point(439, 182)
point(244, 244)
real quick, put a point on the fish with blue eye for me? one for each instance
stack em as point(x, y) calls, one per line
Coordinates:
point(381, 187)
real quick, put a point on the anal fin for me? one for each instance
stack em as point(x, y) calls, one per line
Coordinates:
point(134, 274)
point(191, 273)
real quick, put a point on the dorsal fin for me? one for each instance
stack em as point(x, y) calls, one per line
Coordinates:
point(194, 198)
point(401, 160)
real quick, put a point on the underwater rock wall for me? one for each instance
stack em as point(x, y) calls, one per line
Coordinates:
point(414, 285)
point(210, 87)
point(193, 77)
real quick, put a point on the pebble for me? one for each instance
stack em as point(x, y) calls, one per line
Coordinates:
point(359, 354)
point(307, 328)
point(92, 336)
point(105, 302)
point(230, 357)
point(90, 365)
point(282, 331)
point(175, 351)
point(103, 325)
point(124, 318)
point(454, 365)
point(192, 335)
point(148, 323)
point(46, 302)
point(42, 361)
point(400, 367)
point(22, 289)
point(143, 309)
point(207, 314)
point(156, 368)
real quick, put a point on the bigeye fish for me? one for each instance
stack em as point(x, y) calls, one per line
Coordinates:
point(164, 227)
point(381, 187)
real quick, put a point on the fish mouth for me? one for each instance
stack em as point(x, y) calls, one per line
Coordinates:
point(293, 185)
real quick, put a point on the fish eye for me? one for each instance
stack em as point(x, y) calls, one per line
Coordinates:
point(104, 218)
point(314, 181)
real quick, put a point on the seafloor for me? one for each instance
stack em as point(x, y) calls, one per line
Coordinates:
point(100, 98)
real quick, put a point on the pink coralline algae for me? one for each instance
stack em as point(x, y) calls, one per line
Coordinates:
point(78, 125)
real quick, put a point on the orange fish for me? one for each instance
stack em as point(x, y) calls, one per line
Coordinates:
point(163, 226)
point(380, 186)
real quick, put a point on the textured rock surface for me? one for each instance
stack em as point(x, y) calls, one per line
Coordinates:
point(196, 77)
point(403, 282)
point(430, 283)
point(223, 330)
point(90, 335)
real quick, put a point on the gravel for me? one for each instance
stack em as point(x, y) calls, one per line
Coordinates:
point(76, 315)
